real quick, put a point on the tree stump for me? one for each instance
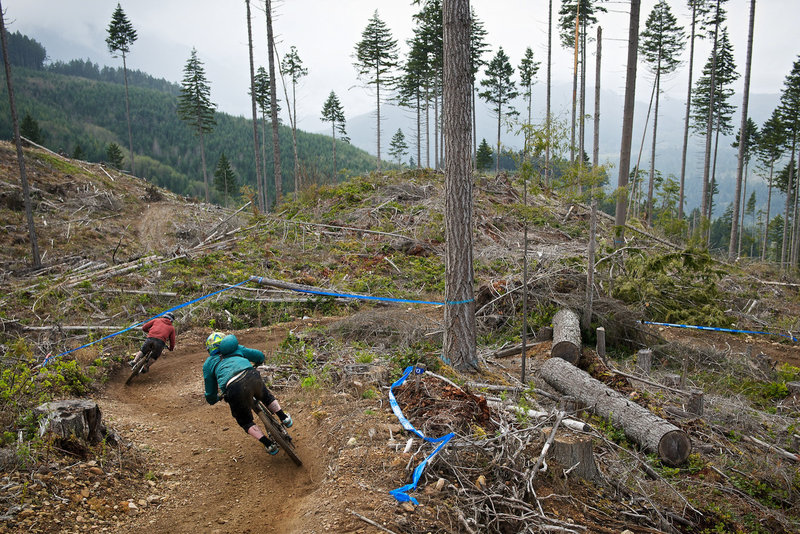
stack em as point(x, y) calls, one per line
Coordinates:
point(72, 419)
point(566, 336)
point(671, 380)
point(651, 432)
point(695, 403)
point(601, 343)
point(575, 454)
point(644, 361)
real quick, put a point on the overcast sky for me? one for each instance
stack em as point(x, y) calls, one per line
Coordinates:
point(325, 33)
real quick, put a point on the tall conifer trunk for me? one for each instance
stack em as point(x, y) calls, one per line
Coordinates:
point(273, 103)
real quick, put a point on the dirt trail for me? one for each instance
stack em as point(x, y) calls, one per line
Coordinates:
point(211, 475)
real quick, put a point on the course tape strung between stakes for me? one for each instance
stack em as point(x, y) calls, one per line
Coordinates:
point(717, 329)
point(178, 307)
point(367, 297)
point(401, 494)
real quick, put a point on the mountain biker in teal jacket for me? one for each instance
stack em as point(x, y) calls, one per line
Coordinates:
point(229, 367)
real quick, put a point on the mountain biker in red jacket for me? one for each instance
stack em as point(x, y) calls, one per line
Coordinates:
point(229, 367)
point(159, 332)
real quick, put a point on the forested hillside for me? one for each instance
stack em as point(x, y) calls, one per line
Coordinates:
point(80, 109)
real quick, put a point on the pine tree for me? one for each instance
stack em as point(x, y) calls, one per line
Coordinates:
point(790, 117)
point(413, 84)
point(527, 72)
point(29, 129)
point(398, 146)
point(261, 178)
point(195, 106)
point(224, 177)
point(477, 48)
point(121, 36)
point(500, 90)
point(483, 157)
point(720, 70)
point(750, 146)
point(770, 149)
point(273, 105)
point(292, 66)
point(661, 44)
point(332, 112)
point(114, 155)
point(78, 152)
point(376, 56)
point(262, 84)
point(585, 12)
point(429, 21)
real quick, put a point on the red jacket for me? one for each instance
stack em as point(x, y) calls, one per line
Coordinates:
point(161, 328)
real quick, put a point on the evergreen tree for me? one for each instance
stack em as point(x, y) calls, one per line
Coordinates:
point(262, 91)
point(195, 106)
point(770, 149)
point(527, 71)
point(750, 146)
point(398, 146)
point(25, 52)
point(78, 152)
point(224, 177)
point(114, 155)
point(500, 90)
point(429, 21)
point(121, 36)
point(376, 56)
point(260, 164)
point(661, 44)
point(413, 84)
point(332, 112)
point(477, 48)
point(292, 65)
point(483, 157)
point(790, 117)
point(273, 99)
point(30, 130)
point(721, 71)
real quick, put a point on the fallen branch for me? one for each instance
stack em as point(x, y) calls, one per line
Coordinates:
point(371, 522)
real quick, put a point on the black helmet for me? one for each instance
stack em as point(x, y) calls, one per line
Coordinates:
point(170, 316)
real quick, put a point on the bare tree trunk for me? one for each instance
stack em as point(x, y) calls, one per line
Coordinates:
point(26, 193)
point(795, 219)
point(743, 138)
point(766, 223)
point(744, 208)
point(549, 86)
point(261, 191)
point(686, 119)
point(474, 131)
point(333, 132)
point(582, 119)
point(499, 117)
point(273, 104)
point(436, 131)
point(203, 160)
point(705, 212)
point(419, 133)
point(627, 125)
point(427, 129)
point(789, 191)
point(574, 85)
point(128, 116)
point(596, 139)
point(651, 182)
point(459, 337)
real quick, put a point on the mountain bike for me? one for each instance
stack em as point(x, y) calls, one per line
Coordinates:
point(276, 430)
point(138, 368)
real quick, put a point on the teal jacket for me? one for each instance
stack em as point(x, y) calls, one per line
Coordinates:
point(226, 362)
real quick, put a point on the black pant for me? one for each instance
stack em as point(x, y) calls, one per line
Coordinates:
point(240, 396)
point(154, 346)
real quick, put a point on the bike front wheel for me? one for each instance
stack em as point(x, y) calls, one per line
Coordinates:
point(277, 433)
point(137, 369)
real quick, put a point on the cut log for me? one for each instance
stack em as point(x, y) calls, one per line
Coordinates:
point(644, 361)
point(601, 343)
point(72, 419)
point(651, 432)
point(566, 336)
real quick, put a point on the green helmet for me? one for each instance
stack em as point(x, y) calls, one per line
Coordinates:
point(213, 341)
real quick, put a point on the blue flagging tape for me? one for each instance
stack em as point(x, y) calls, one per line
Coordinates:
point(401, 494)
point(369, 297)
point(716, 329)
point(178, 307)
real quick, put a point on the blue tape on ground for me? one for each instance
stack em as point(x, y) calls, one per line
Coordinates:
point(717, 329)
point(401, 493)
point(178, 307)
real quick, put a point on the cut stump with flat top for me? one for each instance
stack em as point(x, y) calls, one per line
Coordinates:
point(566, 336)
point(640, 425)
point(72, 419)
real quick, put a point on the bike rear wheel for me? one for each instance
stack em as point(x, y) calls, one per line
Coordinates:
point(277, 433)
point(137, 369)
